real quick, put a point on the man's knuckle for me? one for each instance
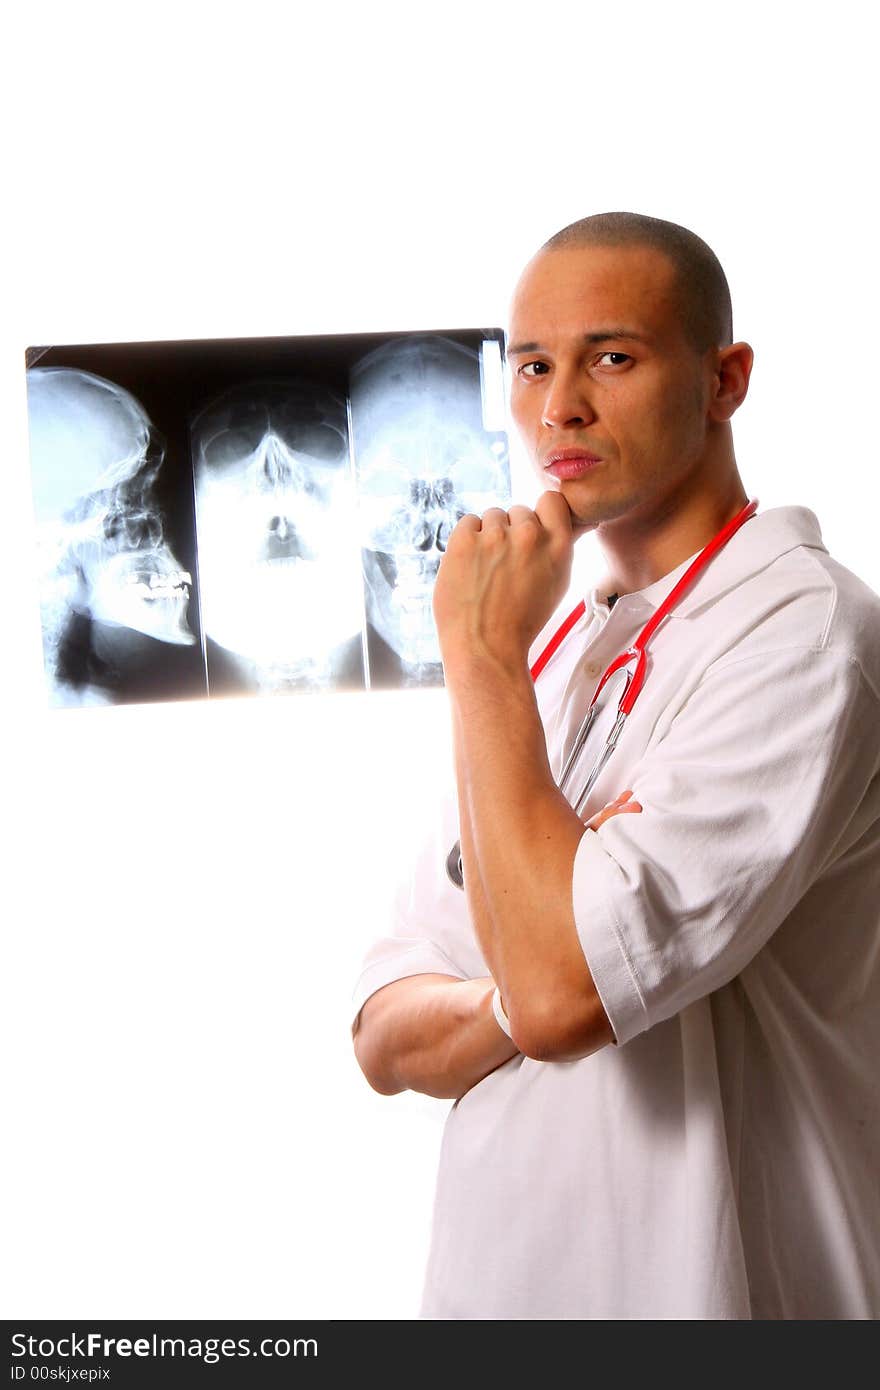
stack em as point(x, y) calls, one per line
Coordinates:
point(530, 534)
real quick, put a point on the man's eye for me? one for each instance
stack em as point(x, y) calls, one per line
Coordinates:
point(533, 369)
point(616, 359)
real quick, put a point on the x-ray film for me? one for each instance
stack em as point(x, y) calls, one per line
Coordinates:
point(255, 516)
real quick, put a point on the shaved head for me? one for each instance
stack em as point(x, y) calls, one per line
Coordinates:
point(701, 285)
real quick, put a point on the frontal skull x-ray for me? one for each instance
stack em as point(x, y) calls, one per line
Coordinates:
point(423, 458)
point(279, 578)
point(108, 578)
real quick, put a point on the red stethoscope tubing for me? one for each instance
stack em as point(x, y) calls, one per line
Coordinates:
point(637, 650)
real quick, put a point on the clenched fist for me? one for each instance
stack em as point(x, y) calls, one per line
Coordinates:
point(501, 579)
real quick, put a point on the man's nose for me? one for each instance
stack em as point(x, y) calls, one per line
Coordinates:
point(567, 402)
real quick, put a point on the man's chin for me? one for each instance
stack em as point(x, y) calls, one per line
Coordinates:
point(580, 524)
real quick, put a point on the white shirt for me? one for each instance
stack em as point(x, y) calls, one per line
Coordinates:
point(722, 1160)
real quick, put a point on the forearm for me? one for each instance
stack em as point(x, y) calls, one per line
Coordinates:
point(521, 837)
point(430, 1033)
point(478, 912)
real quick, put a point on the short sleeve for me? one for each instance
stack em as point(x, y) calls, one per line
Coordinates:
point(744, 799)
point(429, 931)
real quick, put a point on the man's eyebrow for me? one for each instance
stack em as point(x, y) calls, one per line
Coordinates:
point(602, 335)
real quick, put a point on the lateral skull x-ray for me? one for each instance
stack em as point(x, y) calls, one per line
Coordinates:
point(108, 577)
point(423, 458)
point(279, 574)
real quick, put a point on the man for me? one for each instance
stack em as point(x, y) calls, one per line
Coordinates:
point(661, 1029)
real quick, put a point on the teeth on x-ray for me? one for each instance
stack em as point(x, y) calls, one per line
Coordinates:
point(422, 460)
point(278, 562)
point(155, 586)
point(95, 457)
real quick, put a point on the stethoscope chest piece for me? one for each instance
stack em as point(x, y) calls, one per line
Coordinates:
point(453, 865)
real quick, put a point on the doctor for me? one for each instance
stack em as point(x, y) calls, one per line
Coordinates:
point(661, 1029)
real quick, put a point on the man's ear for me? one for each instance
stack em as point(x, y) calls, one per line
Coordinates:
point(731, 380)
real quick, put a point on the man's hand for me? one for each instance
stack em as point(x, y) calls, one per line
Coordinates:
point(617, 807)
point(501, 579)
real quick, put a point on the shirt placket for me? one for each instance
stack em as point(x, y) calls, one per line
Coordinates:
point(615, 634)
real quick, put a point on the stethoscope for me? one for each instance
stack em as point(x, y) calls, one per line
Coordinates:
point(634, 679)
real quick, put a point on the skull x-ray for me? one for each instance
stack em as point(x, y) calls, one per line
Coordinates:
point(110, 585)
point(279, 574)
point(424, 455)
point(257, 515)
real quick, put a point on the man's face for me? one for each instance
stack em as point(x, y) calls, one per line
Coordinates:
point(607, 391)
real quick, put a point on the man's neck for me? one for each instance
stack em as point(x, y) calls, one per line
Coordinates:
point(638, 553)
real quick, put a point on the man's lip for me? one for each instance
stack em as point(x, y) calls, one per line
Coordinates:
point(570, 463)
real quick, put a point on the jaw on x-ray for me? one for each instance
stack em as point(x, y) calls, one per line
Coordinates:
point(279, 575)
point(105, 567)
point(423, 458)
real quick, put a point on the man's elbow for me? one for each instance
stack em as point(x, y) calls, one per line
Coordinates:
point(378, 1075)
point(548, 1032)
point(439, 1085)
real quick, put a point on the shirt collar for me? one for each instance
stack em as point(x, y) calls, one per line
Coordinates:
point(759, 541)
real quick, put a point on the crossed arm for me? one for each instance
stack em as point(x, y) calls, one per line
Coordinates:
point(500, 581)
point(437, 1034)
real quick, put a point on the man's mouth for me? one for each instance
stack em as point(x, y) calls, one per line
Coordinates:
point(565, 464)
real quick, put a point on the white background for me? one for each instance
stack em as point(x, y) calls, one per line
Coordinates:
point(187, 890)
